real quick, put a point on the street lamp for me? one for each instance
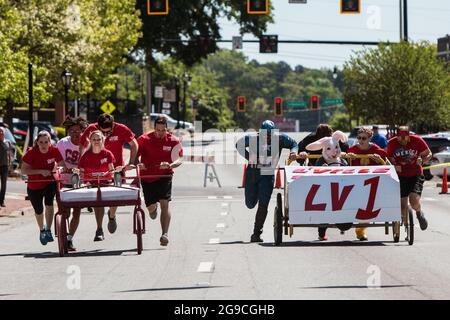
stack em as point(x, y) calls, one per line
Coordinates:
point(66, 77)
point(186, 82)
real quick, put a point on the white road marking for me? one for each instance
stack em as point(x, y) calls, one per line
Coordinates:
point(228, 197)
point(214, 241)
point(212, 197)
point(205, 267)
point(220, 225)
point(225, 204)
point(224, 213)
point(429, 199)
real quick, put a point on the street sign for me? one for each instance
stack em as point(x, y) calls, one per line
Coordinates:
point(331, 102)
point(237, 43)
point(295, 104)
point(108, 107)
point(165, 111)
point(297, 1)
point(166, 105)
point(159, 92)
point(170, 95)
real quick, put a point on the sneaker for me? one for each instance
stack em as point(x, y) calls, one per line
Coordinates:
point(422, 221)
point(99, 235)
point(112, 224)
point(256, 238)
point(164, 240)
point(49, 235)
point(90, 210)
point(324, 238)
point(154, 214)
point(70, 246)
point(43, 237)
point(363, 238)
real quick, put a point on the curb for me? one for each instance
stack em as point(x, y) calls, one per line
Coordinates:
point(439, 185)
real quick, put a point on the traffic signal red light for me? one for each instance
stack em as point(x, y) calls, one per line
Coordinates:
point(155, 7)
point(240, 107)
point(350, 6)
point(315, 102)
point(278, 107)
point(257, 6)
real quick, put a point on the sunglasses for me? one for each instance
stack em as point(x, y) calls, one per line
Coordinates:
point(362, 138)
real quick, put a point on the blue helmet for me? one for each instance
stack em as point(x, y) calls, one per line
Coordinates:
point(267, 125)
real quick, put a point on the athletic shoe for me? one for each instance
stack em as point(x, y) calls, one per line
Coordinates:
point(99, 235)
point(363, 238)
point(112, 224)
point(154, 214)
point(324, 238)
point(422, 221)
point(256, 238)
point(164, 240)
point(49, 236)
point(43, 237)
point(70, 246)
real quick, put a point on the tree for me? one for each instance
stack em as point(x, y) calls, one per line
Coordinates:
point(398, 84)
point(189, 20)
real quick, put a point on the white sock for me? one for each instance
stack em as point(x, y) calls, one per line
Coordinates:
point(69, 237)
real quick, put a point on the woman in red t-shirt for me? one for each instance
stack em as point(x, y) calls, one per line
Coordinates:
point(378, 157)
point(97, 160)
point(39, 163)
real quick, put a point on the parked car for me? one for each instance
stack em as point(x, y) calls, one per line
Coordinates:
point(441, 157)
point(9, 136)
point(438, 143)
point(41, 125)
point(172, 123)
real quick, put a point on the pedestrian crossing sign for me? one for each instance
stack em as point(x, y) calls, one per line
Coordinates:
point(108, 107)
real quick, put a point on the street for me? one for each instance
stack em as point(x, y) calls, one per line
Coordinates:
point(210, 257)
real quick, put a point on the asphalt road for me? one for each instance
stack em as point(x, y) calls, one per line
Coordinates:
point(209, 255)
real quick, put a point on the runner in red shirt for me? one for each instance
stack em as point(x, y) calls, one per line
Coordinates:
point(408, 152)
point(159, 153)
point(364, 146)
point(97, 159)
point(39, 163)
point(116, 136)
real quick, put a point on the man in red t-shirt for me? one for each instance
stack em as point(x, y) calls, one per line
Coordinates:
point(116, 135)
point(407, 153)
point(159, 152)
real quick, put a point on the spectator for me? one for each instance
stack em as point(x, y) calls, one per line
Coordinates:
point(5, 162)
point(378, 139)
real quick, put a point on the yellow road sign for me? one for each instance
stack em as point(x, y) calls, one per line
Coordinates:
point(108, 107)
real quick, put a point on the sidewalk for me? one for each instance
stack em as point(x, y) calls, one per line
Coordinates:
point(16, 205)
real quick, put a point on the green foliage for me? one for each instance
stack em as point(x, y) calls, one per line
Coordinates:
point(340, 121)
point(399, 84)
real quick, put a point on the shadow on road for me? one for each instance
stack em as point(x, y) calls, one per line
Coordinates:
point(175, 288)
point(326, 244)
point(360, 287)
point(92, 253)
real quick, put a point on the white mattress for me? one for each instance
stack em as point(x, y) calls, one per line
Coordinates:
point(107, 194)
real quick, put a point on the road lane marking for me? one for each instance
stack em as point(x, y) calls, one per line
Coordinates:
point(228, 197)
point(429, 199)
point(214, 241)
point(225, 204)
point(224, 213)
point(205, 267)
point(220, 225)
point(212, 197)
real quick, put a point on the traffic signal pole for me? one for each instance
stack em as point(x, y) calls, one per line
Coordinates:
point(363, 43)
point(405, 20)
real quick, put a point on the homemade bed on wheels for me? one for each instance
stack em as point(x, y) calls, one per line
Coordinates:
point(98, 192)
point(342, 197)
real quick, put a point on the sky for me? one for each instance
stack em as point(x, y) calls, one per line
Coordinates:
point(321, 20)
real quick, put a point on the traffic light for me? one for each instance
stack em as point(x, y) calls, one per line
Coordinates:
point(315, 102)
point(350, 6)
point(268, 44)
point(257, 6)
point(155, 7)
point(278, 107)
point(240, 107)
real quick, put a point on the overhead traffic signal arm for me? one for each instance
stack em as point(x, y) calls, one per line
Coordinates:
point(257, 6)
point(158, 7)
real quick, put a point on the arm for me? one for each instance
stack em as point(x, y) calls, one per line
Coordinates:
point(133, 151)
point(291, 144)
point(424, 157)
point(28, 170)
point(176, 163)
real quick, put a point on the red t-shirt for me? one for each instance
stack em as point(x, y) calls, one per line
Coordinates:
point(152, 151)
point(41, 161)
point(96, 162)
point(373, 149)
point(120, 135)
point(406, 156)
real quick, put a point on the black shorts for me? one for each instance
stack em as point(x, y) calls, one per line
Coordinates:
point(157, 190)
point(47, 194)
point(411, 185)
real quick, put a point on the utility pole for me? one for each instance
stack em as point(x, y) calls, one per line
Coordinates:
point(30, 105)
point(404, 20)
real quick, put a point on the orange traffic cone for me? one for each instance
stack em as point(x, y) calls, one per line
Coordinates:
point(444, 182)
point(278, 180)
point(244, 177)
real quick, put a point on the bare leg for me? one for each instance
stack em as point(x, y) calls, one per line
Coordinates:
point(40, 221)
point(414, 200)
point(404, 206)
point(99, 213)
point(49, 212)
point(165, 216)
point(112, 212)
point(75, 221)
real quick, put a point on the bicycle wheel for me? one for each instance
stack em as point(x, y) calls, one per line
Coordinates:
point(410, 227)
point(278, 222)
point(139, 229)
